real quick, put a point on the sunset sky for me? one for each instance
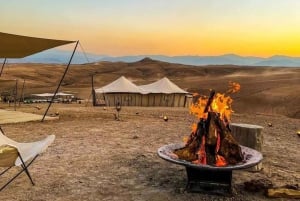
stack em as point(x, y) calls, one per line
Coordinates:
point(170, 27)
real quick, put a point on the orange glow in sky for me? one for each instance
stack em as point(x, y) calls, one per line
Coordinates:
point(170, 27)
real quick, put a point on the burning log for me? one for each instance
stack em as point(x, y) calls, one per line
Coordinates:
point(216, 145)
point(211, 142)
point(195, 146)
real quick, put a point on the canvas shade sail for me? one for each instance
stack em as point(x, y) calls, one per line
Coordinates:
point(16, 46)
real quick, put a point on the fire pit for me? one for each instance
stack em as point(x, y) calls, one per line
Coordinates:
point(210, 153)
point(207, 178)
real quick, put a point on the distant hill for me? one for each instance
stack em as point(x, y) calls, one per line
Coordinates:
point(270, 90)
point(57, 56)
point(228, 59)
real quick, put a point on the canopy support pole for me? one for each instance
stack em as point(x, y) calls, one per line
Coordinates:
point(2, 66)
point(52, 99)
point(15, 95)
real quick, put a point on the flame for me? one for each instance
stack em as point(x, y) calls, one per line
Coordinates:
point(197, 109)
point(233, 87)
point(194, 127)
point(220, 160)
point(221, 103)
point(201, 153)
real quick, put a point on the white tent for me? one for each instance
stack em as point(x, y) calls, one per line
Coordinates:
point(163, 93)
point(121, 90)
point(44, 95)
point(61, 97)
point(52, 94)
point(163, 85)
point(160, 93)
point(121, 85)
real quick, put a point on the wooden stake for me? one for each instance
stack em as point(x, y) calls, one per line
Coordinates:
point(283, 193)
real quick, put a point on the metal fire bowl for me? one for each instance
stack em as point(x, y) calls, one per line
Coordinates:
point(251, 158)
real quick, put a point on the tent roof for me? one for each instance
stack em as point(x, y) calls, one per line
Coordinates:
point(16, 46)
point(163, 85)
point(43, 95)
point(121, 85)
point(51, 94)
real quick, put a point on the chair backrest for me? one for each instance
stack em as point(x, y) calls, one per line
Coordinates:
point(6, 141)
point(8, 155)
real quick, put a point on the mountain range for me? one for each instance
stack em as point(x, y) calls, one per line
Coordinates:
point(62, 56)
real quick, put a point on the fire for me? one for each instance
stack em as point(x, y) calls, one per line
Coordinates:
point(198, 108)
point(233, 87)
point(194, 127)
point(220, 160)
point(221, 104)
point(201, 153)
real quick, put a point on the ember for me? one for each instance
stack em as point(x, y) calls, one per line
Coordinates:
point(211, 142)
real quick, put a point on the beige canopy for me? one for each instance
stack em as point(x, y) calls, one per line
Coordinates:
point(16, 46)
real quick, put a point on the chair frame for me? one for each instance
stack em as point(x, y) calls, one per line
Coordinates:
point(23, 166)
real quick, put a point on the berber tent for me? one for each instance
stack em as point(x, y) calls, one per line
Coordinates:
point(160, 93)
point(121, 91)
point(163, 93)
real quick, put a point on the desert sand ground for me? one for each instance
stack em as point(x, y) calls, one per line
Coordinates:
point(95, 157)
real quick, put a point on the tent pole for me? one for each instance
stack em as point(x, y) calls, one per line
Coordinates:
point(93, 92)
point(22, 94)
point(2, 66)
point(15, 95)
point(62, 78)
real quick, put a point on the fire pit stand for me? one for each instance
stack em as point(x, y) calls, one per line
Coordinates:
point(207, 178)
point(204, 181)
